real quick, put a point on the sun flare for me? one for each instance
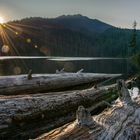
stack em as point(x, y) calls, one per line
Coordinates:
point(1, 20)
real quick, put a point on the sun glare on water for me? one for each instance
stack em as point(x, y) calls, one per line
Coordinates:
point(1, 20)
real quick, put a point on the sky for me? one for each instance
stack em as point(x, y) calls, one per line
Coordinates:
point(120, 13)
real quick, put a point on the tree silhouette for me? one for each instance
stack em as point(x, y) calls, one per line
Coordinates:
point(132, 44)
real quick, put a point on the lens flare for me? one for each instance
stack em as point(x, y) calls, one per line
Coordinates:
point(1, 20)
point(5, 49)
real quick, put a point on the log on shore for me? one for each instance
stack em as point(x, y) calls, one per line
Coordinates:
point(27, 116)
point(29, 84)
point(120, 122)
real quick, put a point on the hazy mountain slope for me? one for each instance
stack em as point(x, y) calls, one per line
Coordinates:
point(81, 23)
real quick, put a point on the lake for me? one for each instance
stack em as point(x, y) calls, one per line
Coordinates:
point(49, 64)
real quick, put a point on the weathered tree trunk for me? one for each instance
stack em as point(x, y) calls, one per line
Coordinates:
point(29, 84)
point(120, 122)
point(27, 116)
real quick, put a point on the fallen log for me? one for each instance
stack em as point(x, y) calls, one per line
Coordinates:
point(27, 116)
point(120, 122)
point(34, 83)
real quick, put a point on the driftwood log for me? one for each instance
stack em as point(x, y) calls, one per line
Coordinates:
point(28, 116)
point(33, 83)
point(120, 122)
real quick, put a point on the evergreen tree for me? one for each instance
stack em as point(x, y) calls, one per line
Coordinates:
point(132, 45)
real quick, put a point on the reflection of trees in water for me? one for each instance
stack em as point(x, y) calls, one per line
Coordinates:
point(104, 66)
point(46, 66)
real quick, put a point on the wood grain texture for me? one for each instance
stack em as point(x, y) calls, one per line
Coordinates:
point(120, 122)
point(26, 116)
point(29, 84)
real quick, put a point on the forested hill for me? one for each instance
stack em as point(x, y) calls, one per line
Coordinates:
point(71, 35)
point(81, 23)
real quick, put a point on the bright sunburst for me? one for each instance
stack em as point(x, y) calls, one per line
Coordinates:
point(1, 20)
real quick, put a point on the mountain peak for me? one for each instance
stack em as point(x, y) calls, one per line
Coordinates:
point(75, 22)
point(72, 16)
point(82, 23)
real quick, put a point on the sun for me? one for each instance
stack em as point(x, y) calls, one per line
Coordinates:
point(1, 20)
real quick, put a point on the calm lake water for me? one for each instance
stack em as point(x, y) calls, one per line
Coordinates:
point(21, 65)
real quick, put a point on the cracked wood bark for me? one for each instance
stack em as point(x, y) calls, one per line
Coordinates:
point(27, 116)
point(12, 85)
point(120, 122)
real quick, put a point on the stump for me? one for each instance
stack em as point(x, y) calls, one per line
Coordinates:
point(120, 122)
point(29, 75)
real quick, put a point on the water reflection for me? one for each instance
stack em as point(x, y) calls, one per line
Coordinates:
point(58, 58)
point(49, 64)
